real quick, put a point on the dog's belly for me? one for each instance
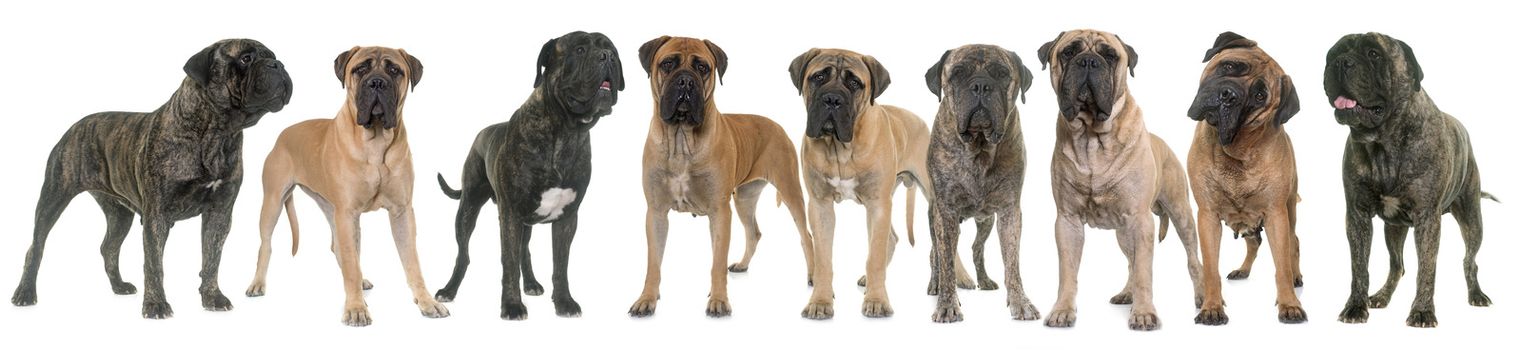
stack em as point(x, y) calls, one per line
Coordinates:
point(1241, 220)
point(1106, 211)
point(552, 203)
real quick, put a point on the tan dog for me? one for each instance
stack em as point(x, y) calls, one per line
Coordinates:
point(354, 163)
point(697, 158)
point(855, 149)
point(1242, 166)
point(1109, 172)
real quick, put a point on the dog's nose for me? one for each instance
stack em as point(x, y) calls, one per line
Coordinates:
point(1228, 97)
point(834, 101)
point(377, 83)
point(684, 81)
point(604, 55)
point(982, 87)
point(1088, 62)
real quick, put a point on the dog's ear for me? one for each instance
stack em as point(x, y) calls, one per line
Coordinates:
point(1044, 54)
point(1025, 76)
point(1289, 100)
point(795, 70)
point(414, 68)
point(546, 58)
point(341, 65)
point(720, 60)
point(933, 75)
point(879, 75)
point(1227, 40)
point(1130, 55)
point(198, 67)
point(1413, 69)
point(618, 65)
point(647, 51)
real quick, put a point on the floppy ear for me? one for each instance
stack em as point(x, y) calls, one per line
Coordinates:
point(341, 64)
point(1045, 52)
point(1228, 40)
point(1130, 55)
point(720, 60)
point(198, 67)
point(1412, 68)
point(933, 75)
point(414, 68)
point(1289, 100)
point(1025, 76)
point(647, 51)
point(879, 74)
point(546, 58)
point(800, 63)
point(618, 67)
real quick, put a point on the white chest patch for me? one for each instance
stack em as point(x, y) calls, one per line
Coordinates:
point(845, 189)
point(1391, 205)
point(214, 184)
point(553, 201)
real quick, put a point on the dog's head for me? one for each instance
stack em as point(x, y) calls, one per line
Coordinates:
point(683, 73)
point(582, 73)
point(378, 79)
point(1242, 90)
point(1367, 76)
point(1088, 71)
point(978, 85)
point(836, 85)
point(240, 75)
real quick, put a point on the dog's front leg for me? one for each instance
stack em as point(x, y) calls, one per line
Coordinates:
point(943, 227)
point(656, 225)
point(1213, 309)
point(346, 247)
point(1140, 234)
point(1422, 311)
point(822, 222)
point(155, 233)
point(1069, 253)
point(718, 229)
point(404, 233)
point(1360, 226)
point(564, 232)
point(1281, 240)
point(215, 223)
point(1020, 307)
point(880, 248)
point(513, 234)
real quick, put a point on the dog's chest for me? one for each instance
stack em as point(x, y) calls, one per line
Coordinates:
point(552, 203)
point(690, 191)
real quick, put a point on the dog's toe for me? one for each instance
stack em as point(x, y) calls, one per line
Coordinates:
point(964, 282)
point(1063, 318)
point(1024, 312)
point(644, 307)
point(567, 308)
point(123, 288)
point(157, 310)
point(1212, 316)
point(1478, 298)
point(1238, 274)
point(947, 313)
point(876, 307)
point(533, 288)
point(358, 316)
point(215, 301)
point(987, 284)
point(819, 310)
point(1354, 313)
point(444, 295)
point(1422, 319)
point(718, 308)
point(1144, 321)
point(738, 268)
point(255, 290)
point(24, 297)
point(1291, 314)
point(432, 309)
point(1124, 298)
point(514, 311)
point(1379, 300)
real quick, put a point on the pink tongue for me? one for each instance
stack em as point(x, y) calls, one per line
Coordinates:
point(605, 84)
point(1344, 103)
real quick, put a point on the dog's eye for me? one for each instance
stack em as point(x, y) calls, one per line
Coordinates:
point(701, 67)
point(1070, 51)
point(853, 84)
point(1373, 54)
point(668, 65)
point(820, 78)
point(1260, 96)
point(246, 59)
point(581, 50)
point(1379, 110)
point(393, 70)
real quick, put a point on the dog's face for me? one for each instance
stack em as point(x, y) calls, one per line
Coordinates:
point(1242, 90)
point(979, 84)
point(243, 75)
point(836, 86)
point(378, 79)
point(1366, 74)
point(683, 72)
point(582, 72)
point(1089, 69)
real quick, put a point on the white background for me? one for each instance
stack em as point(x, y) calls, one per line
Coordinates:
point(63, 60)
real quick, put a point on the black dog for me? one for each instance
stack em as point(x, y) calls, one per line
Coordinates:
point(1405, 161)
point(180, 161)
point(536, 166)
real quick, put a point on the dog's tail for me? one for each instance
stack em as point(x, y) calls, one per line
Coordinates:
point(1491, 197)
point(909, 210)
point(290, 213)
point(452, 193)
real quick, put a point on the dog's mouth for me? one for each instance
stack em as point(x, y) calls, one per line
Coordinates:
point(1355, 114)
point(606, 86)
point(978, 128)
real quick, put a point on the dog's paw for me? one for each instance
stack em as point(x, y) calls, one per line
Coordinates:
point(1379, 300)
point(514, 311)
point(965, 282)
point(643, 307)
point(738, 268)
point(533, 288)
point(1291, 314)
point(444, 295)
point(1422, 319)
point(1024, 311)
point(567, 308)
point(1212, 316)
point(356, 316)
point(1124, 298)
point(157, 310)
point(24, 297)
point(123, 288)
point(947, 313)
point(1478, 298)
point(432, 309)
point(1144, 321)
point(933, 288)
point(987, 284)
point(1238, 274)
point(718, 308)
point(255, 289)
point(1062, 318)
point(364, 284)
point(876, 307)
point(215, 301)
point(819, 309)
point(1354, 312)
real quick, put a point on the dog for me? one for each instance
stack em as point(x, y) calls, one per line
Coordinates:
point(977, 167)
point(1110, 173)
point(539, 163)
point(1406, 162)
point(1242, 167)
point(183, 160)
point(357, 162)
point(855, 149)
point(696, 159)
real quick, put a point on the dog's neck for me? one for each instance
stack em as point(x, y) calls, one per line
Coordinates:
point(192, 112)
point(685, 142)
point(554, 115)
point(1124, 128)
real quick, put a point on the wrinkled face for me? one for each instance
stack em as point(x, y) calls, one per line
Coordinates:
point(378, 79)
point(1088, 72)
point(1366, 74)
point(243, 75)
point(979, 85)
point(582, 72)
point(1242, 89)
point(836, 85)
point(683, 73)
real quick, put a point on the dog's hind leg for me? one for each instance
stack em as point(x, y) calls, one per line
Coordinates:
point(1253, 241)
point(1467, 212)
point(118, 222)
point(985, 228)
point(55, 197)
point(1395, 243)
point(746, 197)
point(276, 196)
